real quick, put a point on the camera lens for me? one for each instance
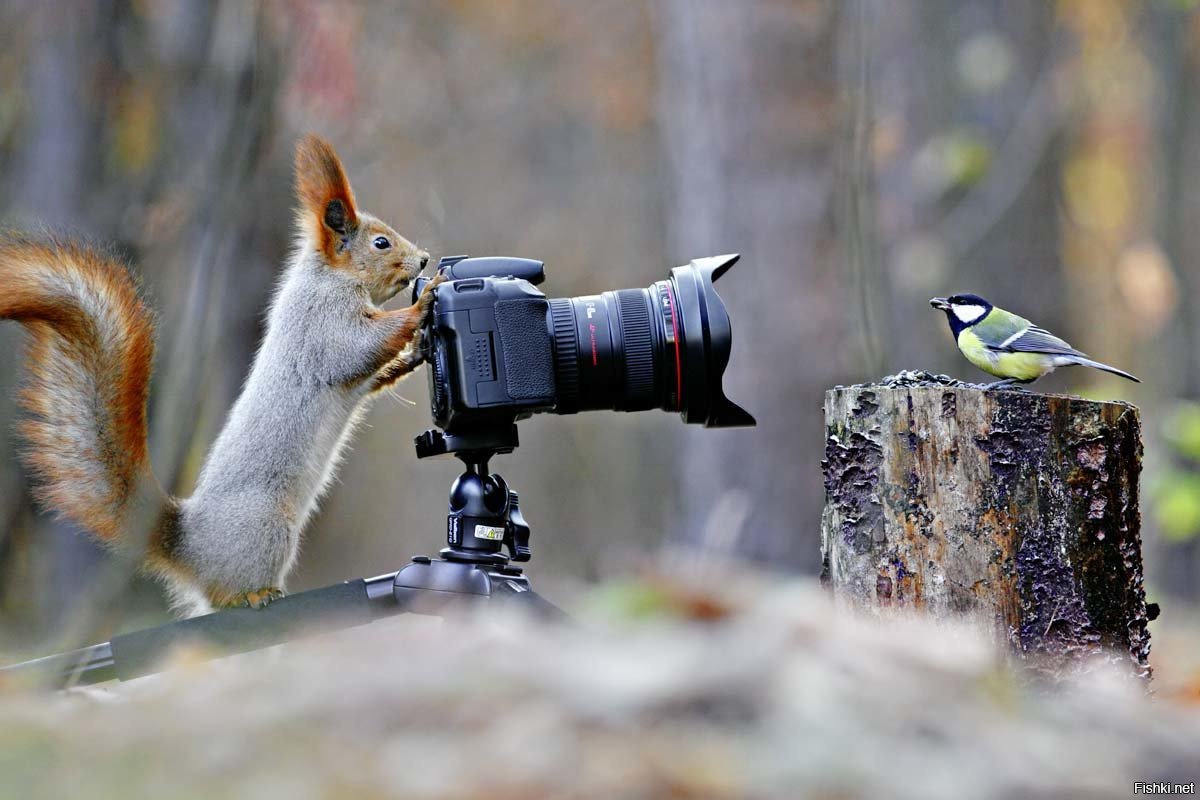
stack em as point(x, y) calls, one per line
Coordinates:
point(611, 351)
point(665, 347)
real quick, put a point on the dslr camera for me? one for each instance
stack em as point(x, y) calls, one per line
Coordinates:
point(499, 350)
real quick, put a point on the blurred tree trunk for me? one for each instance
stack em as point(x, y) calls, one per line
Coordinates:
point(50, 175)
point(1172, 34)
point(1108, 200)
point(146, 125)
point(745, 179)
point(942, 228)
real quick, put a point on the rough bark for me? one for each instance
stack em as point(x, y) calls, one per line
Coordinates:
point(1015, 507)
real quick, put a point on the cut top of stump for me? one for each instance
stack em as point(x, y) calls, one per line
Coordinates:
point(1008, 504)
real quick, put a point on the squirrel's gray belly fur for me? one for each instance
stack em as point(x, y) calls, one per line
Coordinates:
point(281, 444)
point(328, 347)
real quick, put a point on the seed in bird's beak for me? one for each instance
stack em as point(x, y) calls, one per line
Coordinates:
point(940, 303)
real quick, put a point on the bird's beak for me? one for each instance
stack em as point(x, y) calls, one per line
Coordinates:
point(940, 303)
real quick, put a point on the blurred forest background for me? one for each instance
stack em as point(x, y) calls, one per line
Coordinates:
point(862, 156)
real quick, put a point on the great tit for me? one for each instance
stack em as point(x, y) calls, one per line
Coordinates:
point(1010, 347)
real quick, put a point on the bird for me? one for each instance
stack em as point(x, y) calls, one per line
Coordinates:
point(1009, 346)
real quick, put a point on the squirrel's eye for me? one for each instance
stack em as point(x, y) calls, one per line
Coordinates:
point(381, 243)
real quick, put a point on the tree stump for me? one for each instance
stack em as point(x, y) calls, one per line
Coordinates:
point(1010, 506)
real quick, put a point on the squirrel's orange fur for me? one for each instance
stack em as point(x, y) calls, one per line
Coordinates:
point(90, 353)
point(329, 346)
point(320, 180)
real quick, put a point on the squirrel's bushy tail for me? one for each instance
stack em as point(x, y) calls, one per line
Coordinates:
point(90, 355)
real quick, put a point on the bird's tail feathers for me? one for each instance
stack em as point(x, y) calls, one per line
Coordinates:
point(1084, 361)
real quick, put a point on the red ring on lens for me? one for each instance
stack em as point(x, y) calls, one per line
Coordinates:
point(678, 361)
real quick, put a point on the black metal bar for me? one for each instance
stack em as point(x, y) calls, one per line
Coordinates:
point(234, 630)
point(92, 664)
point(433, 587)
point(524, 597)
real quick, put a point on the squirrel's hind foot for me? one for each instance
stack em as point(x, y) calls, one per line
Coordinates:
point(255, 598)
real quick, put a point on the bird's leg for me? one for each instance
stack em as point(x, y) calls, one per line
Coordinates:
point(1005, 383)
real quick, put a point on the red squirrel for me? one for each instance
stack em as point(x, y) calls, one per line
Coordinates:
point(328, 348)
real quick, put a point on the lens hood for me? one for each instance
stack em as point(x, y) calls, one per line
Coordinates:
point(706, 340)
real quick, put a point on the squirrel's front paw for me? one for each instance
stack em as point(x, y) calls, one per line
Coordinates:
point(425, 309)
point(425, 301)
point(255, 598)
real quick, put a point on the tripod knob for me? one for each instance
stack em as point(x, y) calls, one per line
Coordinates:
point(516, 534)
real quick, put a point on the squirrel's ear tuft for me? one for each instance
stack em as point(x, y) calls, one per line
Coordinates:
point(327, 212)
point(335, 216)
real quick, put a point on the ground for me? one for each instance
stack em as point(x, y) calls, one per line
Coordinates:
point(765, 690)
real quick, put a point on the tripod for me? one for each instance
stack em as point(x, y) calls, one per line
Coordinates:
point(484, 518)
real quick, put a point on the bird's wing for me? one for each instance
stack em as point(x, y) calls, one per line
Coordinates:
point(1000, 327)
point(1036, 340)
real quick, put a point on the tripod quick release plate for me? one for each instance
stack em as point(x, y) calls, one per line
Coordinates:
point(491, 441)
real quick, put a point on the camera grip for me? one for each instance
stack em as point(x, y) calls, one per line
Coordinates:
point(527, 349)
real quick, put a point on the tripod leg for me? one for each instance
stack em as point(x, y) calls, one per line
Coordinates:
point(531, 601)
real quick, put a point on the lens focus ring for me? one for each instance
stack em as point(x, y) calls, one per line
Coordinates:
point(639, 349)
point(566, 354)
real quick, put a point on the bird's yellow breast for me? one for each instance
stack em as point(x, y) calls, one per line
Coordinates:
point(1022, 366)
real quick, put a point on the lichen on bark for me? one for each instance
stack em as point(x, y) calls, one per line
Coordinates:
point(1016, 507)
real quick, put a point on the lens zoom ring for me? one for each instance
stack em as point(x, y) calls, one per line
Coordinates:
point(566, 354)
point(639, 349)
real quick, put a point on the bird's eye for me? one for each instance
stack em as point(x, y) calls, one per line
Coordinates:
point(381, 243)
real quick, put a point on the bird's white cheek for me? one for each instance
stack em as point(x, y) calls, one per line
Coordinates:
point(969, 313)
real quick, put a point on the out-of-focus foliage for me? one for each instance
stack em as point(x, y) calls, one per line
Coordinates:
point(1175, 488)
point(1177, 495)
point(782, 696)
point(954, 160)
point(1182, 430)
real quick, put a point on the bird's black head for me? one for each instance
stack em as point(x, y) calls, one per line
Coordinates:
point(962, 310)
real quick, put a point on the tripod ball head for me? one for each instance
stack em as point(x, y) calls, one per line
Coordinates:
point(484, 515)
point(478, 513)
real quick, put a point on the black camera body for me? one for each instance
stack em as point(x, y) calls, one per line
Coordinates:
point(489, 351)
point(499, 350)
